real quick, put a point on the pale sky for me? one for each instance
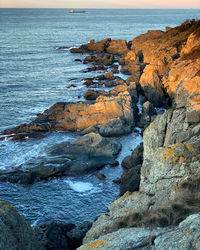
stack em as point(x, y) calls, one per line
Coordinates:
point(100, 4)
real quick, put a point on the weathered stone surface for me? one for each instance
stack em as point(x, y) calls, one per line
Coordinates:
point(125, 239)
point(92, 46)
point(183, 85)
point(85, 154)
point(52, 235)
point(114, 127)
point(151, 86)
point(171, 149)
point(77, 234)
point(118, 211)
point(78, 116)
point(130, 178)
point(117, 47)
point(109, 76)
point(100, 59)
point(15, 231)
point(55, 235)
point(185, 236)
point(148, 115)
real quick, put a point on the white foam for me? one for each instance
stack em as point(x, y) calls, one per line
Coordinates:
point(80, 186)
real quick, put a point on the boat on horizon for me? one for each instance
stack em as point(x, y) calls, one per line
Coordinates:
point(77, 11)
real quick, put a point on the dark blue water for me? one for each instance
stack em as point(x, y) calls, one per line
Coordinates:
point(34, 75)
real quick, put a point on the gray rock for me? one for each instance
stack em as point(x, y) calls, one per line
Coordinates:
point(15, 231)
point(114, 127)
point(77, 234)
point(185, 236)
point(125, 239)
point(53, 235)
point(148, 114)
point(87, 153)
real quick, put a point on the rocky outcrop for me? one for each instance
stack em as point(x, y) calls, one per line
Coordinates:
point(55, 235)
point(15, 231)
point(87, 153)
point(78, 116)
point(171, 148)
point(115, 47)
point(184, 236)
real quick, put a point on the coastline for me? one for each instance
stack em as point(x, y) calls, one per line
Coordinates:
point(157, 74)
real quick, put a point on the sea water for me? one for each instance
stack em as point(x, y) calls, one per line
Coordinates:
point(34, 76)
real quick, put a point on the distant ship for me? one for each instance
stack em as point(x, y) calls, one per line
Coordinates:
point(76, 11)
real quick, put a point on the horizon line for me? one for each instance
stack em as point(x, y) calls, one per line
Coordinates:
point(99, 8)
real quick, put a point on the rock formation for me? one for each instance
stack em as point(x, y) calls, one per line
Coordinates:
point(171, 157)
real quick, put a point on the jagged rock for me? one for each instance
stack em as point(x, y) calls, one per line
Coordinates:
point(88, 82)
point(117, 212)
point(87, 153)
point(152, 87)
point(77, 234)
point(15, 231)
point(170, 154)
point(125, 239)
point(55, 235)
point(130, 178)
point(136, 158)
point(101, 59)
point(117, 181)
point(52, 235)
point(77, 60)
point(133, 69)
point(114, 127)
point(148, 114)
point(92, 94)
point(92, 46)
point(117, 47)
point(79, 116)
point(185, 236)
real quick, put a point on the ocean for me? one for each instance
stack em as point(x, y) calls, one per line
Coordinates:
point(34, 76)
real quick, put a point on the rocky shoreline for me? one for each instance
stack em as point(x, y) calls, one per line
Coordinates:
point(159, 207)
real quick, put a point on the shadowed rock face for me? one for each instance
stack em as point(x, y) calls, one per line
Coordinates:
point(15, 231)
point(86, 154)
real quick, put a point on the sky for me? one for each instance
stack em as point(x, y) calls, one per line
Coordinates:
point(195, 4)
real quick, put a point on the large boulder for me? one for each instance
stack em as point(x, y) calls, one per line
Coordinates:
point(114, 127)
point(87, 153)
point(15, 231)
